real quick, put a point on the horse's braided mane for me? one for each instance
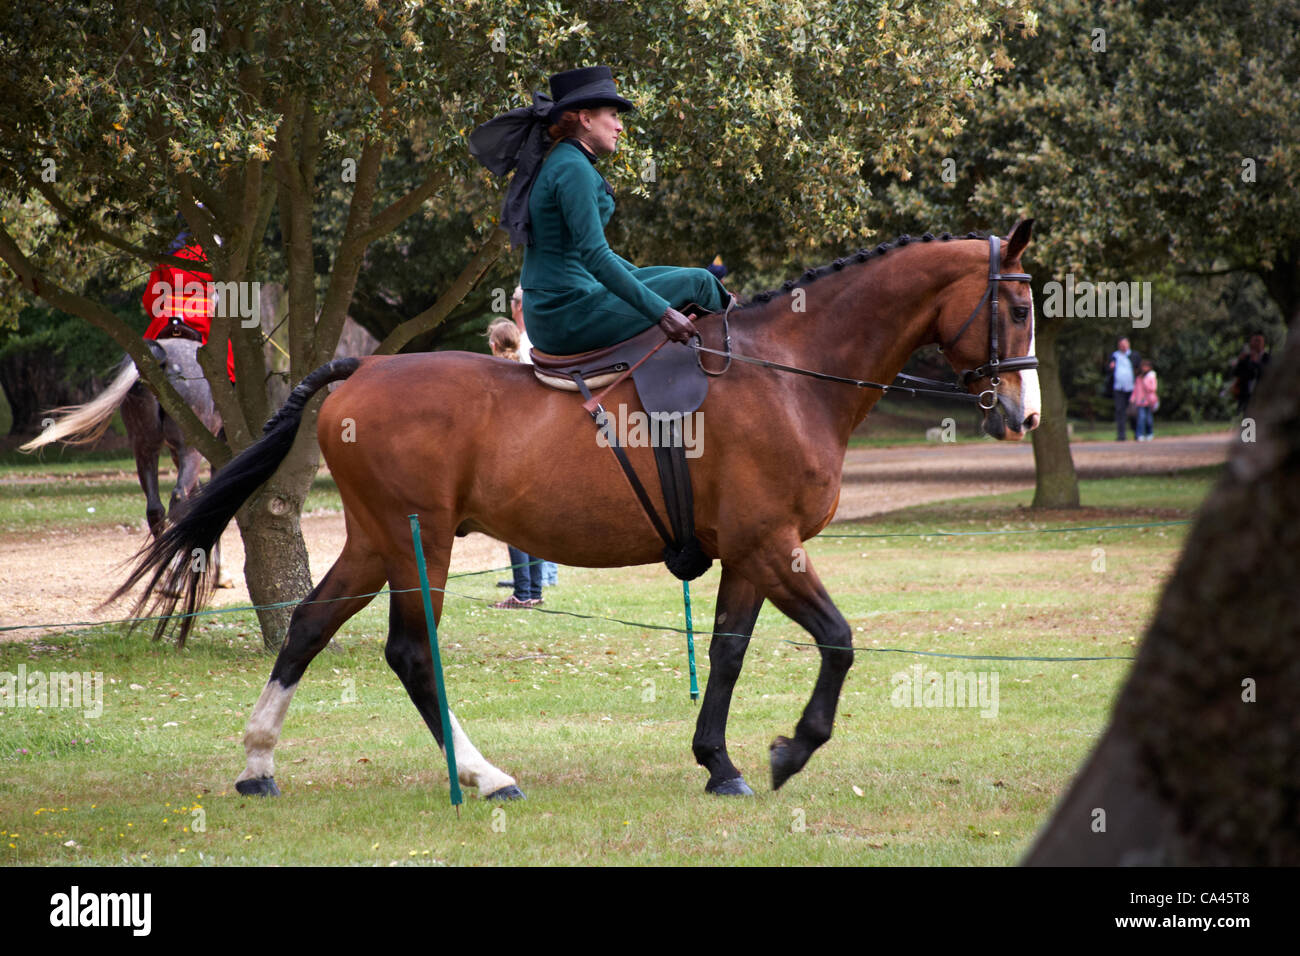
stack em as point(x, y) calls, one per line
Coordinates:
point(862, 255)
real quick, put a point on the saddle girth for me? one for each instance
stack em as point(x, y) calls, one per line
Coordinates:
point(682, 553)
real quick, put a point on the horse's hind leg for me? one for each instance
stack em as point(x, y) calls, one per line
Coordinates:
point(310, 629)
point(799, 594)
point(224, 580)
point(140, 415)
point(409, 655)
point(737, 610)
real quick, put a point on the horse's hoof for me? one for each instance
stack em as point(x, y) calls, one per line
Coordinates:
point(735, 787)
point(511, 792)
point(258, 787)
point(783, 761)
point(225, 582)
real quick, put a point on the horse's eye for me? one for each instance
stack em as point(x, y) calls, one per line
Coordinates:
point(1021, 312)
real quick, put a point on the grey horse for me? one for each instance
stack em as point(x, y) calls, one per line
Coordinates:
point(148, 427)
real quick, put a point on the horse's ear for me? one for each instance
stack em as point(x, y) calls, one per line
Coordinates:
point(1018, 239)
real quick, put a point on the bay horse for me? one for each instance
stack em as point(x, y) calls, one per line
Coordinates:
point(148, 428)
point(473, 443)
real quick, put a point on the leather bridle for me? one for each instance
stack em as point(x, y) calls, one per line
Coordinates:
point(995, 364)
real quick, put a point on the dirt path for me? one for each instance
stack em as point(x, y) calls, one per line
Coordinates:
point(877, 480)
point(61, 575)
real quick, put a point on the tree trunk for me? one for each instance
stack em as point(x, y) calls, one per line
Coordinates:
point(1283, 285)
point(1201, 763)
point(276, 566)
point(1056, 485)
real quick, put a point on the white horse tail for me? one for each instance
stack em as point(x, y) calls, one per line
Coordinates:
point(83, 424)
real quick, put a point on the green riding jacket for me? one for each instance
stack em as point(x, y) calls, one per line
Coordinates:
point(579, 295)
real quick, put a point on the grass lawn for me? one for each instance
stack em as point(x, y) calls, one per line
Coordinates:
point(594, 719)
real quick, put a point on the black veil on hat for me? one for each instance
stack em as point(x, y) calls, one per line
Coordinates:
point(517, 139)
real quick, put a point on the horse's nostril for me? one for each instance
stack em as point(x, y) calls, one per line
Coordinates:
point(1031, 422)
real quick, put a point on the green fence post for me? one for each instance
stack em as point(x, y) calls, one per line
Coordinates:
point(690, 640)
point(448, 745)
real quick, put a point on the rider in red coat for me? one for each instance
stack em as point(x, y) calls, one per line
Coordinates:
point(182, 294)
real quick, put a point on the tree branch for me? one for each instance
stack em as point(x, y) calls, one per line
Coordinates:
point(97, 232)
point(403, 208)
point(433, 316)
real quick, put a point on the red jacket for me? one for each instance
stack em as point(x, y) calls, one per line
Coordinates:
point(174, 292)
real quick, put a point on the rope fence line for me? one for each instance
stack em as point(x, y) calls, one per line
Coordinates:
point(647, 626)
point(961, 534)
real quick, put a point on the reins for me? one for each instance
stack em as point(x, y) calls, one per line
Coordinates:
point(918, 386)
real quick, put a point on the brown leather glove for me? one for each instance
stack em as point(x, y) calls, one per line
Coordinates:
point(676, 326)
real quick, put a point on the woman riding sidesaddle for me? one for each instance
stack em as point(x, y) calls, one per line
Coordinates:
point(579, 295)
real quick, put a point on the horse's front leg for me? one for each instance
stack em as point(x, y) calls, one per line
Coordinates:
point(737, 610)
point(793, 586)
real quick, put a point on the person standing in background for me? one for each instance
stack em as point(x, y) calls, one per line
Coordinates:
point(1122, 368)
point(1248, 369)
point(1146, 401)
point(550, 571)
point(503, 338)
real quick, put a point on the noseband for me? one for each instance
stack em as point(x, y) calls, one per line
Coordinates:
point(994, 365)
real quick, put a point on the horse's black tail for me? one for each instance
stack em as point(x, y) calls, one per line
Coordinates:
point(178, 564)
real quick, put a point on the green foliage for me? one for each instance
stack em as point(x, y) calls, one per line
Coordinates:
point(775, 108)
point(1131, 158)
point(81, 351)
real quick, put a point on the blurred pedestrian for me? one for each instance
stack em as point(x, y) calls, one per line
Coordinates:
point(1122, 370)
point(550, 572)
point(1248, 369)
point(503, 339)
point(1146, 400)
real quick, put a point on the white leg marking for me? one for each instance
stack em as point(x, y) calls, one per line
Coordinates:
point(263, 730)
point(471, 767)
point(224, 580)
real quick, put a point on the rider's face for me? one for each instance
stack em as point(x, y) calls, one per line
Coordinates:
point(600, 128)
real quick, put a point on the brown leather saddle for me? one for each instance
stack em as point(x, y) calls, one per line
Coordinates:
point(667, 376)
point(671, 383)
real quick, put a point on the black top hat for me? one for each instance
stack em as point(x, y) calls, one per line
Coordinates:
point(584, 88)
